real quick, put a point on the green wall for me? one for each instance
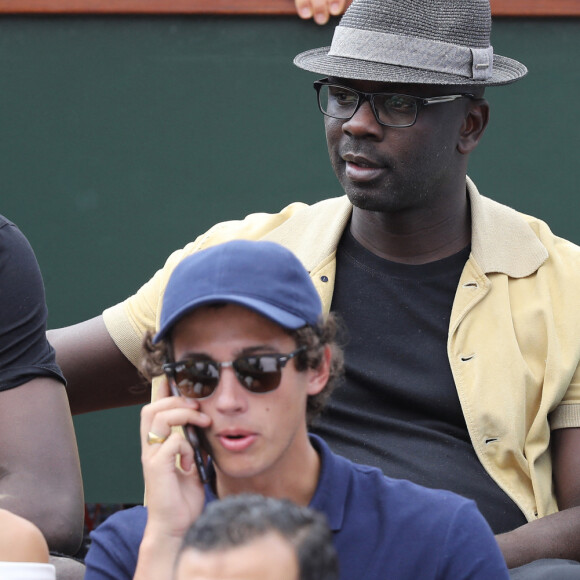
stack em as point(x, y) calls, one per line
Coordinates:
point(123, 138)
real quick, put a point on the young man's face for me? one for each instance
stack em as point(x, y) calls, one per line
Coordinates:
point(267, 558)
point(256, 440)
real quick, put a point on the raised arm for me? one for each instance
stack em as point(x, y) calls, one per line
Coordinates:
point(98, 374)
point(175, 496)
point(556, 535)
point(40, 477)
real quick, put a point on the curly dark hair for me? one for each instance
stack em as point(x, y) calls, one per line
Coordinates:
point(314, 338)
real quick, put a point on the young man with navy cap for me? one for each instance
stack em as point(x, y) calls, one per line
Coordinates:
point(463, 314)
point(243, 341)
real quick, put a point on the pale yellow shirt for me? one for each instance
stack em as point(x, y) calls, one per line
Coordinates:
point(514, 334)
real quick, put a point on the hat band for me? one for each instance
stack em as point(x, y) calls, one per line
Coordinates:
point(419, 53)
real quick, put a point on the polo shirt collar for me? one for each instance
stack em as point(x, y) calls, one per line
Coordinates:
point(331, 493)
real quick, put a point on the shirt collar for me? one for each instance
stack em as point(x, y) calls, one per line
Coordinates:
point(501, 239)
point(331, 493)
point(332, 490)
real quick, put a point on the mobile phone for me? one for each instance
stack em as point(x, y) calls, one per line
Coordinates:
point(193, 435)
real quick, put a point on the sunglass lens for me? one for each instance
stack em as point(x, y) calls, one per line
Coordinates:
point(259, 374)
point(198, 379)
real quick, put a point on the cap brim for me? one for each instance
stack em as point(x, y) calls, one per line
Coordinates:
point(281, 317)
point(505, 70)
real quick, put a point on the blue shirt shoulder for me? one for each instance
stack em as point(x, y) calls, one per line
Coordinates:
point(390, 528)
point(115, 545)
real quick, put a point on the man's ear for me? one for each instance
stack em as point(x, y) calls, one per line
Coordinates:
point(318, 377)
point(474, 124)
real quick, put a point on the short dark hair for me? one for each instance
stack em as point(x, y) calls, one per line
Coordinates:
point(238, 519)
point(314, 338)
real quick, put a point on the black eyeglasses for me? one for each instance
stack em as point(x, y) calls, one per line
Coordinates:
point(390, 109)
point(197, 377)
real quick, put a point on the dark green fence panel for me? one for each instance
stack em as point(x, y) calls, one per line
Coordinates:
point(122, 138)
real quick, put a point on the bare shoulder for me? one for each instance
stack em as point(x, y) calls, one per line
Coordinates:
point(21, 540)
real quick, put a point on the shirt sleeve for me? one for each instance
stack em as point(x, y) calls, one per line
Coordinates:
point(567, 414)
point(128, 321)
point(470, 550)
point(114, 547)
point(25, 353)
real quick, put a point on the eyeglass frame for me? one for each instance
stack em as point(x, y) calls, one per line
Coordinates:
point(363, 96)
point(281, 359)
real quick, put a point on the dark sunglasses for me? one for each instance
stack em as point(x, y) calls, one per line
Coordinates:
point(197, 377)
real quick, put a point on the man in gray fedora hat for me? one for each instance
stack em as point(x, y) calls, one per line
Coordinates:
point(462, 368)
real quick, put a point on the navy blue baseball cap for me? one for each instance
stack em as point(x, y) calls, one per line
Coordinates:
point(262, 276)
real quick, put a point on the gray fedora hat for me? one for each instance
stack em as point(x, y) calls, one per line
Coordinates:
point(442, 42)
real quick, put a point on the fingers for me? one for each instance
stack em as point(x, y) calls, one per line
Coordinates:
point(174, 491)
point(320, 10)
point(337, 7)
point(159, 418)
point(303, 8)
point(161, 457)
point(162, 445)
point(163, 389)
point(158, 421)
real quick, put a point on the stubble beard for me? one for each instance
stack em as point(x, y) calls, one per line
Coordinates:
point(386, 198)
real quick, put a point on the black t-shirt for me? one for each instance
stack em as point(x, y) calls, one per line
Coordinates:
point(24, 351)
point(398, 408)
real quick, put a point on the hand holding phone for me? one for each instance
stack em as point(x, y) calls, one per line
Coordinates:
point(191, 433)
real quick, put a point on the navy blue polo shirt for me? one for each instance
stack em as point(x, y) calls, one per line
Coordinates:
point(383, 529)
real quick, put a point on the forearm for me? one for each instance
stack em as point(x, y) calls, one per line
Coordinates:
point(157, 555)
point(553, 536)
point(98, 374)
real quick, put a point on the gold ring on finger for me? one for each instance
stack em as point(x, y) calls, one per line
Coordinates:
point(153, 438)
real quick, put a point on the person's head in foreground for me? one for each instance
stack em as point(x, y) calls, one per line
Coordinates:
point(242, 334)
point(251, 537)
